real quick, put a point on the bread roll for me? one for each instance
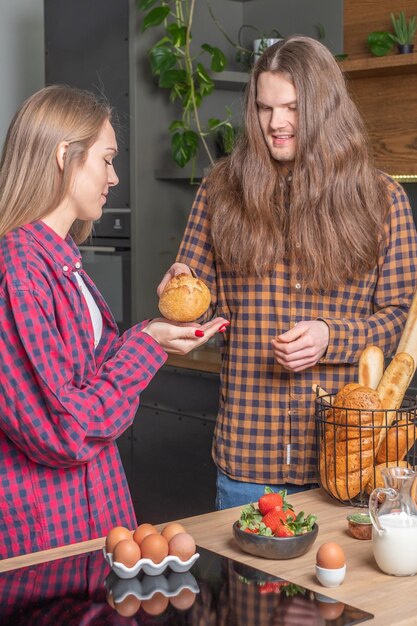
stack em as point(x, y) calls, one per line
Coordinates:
point(347, 458)
point(371, 367)
point(338, 414)
point(184, 299)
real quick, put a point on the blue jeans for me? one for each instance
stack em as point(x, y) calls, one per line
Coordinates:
point(236, 493)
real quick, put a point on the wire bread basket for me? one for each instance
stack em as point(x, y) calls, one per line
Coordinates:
point(353, 445)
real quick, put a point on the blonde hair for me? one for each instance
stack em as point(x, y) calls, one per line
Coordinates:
point(331, 227)
point(31, 182)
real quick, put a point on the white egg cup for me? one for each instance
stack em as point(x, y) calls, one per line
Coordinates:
point(330, 577)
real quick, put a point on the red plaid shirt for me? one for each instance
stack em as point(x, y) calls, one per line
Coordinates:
point(62, 403)
point(265, 431)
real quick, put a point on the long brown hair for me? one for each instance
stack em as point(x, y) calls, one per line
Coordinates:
point(31, 182)
point(332, 227)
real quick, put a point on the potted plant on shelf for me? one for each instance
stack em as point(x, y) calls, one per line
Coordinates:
point(404, 32)
point(186, 74)
point(380, 43)
point(247, 57)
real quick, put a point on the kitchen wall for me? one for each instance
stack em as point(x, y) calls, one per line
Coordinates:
point(21, 55)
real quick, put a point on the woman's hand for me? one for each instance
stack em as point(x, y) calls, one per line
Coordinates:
point(182, 338)
point(302, 346)
point(176, 268)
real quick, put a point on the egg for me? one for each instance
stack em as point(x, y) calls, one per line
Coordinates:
point(330, 610)
point(330, 555)
point(155, 605)
point(182, 545)
point(115, 535)
point(126, 552)
point(128, 606)
point(171, 529)
point(143, 531)
point(154, 547)
point(184, 600)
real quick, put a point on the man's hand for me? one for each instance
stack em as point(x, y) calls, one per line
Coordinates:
point(302, 346)
point(176, 268)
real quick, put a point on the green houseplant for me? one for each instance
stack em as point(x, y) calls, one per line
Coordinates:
point(185, 72)
point(380, 43)
point(404, 32)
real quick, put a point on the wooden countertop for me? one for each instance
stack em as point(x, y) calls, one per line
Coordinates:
point(393, 600)
point(204, 359)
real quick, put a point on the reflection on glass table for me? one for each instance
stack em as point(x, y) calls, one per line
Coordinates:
point(216, 591)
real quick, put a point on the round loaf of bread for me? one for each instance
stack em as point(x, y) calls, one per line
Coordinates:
point(184, 299)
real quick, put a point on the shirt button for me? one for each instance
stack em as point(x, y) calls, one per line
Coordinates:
point(297, 286)
point(65, 268)
point(78, 265)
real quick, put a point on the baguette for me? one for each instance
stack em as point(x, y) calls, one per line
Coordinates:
point(393, 386)
point(321, 393)
point(408, 340)
point(397, 442)
point(376, 479)
point(371, 367)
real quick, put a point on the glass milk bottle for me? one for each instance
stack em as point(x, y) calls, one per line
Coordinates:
point(394, 532)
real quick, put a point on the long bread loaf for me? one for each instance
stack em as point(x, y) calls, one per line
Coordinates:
point(408, 340)
point(371, 367)
point(392, 388)
point(401, 436)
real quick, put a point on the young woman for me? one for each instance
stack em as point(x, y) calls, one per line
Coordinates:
point(69, 384)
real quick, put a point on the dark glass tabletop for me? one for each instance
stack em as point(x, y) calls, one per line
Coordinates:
point(216, 591)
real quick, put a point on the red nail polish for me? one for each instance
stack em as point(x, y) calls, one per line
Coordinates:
point(223, 327)
point(199, 333)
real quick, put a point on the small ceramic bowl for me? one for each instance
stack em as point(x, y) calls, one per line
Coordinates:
point(360, 525)
point(330, 577)
point(274, 547)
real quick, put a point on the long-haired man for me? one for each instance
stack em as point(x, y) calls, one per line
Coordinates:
point(311, 254)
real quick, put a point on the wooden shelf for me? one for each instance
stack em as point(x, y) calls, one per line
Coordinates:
point(359, 67)
point(356, 67)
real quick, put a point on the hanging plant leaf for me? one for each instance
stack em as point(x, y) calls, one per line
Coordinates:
point(184, 146)
point(178, 35)
point(218, 59)
point(176, 124)
point(206, 85)
point(169, 78)
point(162, 59)
point(203, 75)
point(155, 17)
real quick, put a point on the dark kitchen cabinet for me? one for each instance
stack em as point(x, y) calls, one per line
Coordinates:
point(167, 451)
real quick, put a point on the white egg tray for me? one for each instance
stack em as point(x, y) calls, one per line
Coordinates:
point(148, 566)
point(170, 586)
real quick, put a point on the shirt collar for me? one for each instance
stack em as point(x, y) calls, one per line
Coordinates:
point(287, 173)
point(63, 251)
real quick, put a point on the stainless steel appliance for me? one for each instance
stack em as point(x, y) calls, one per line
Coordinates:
point(107, 260)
